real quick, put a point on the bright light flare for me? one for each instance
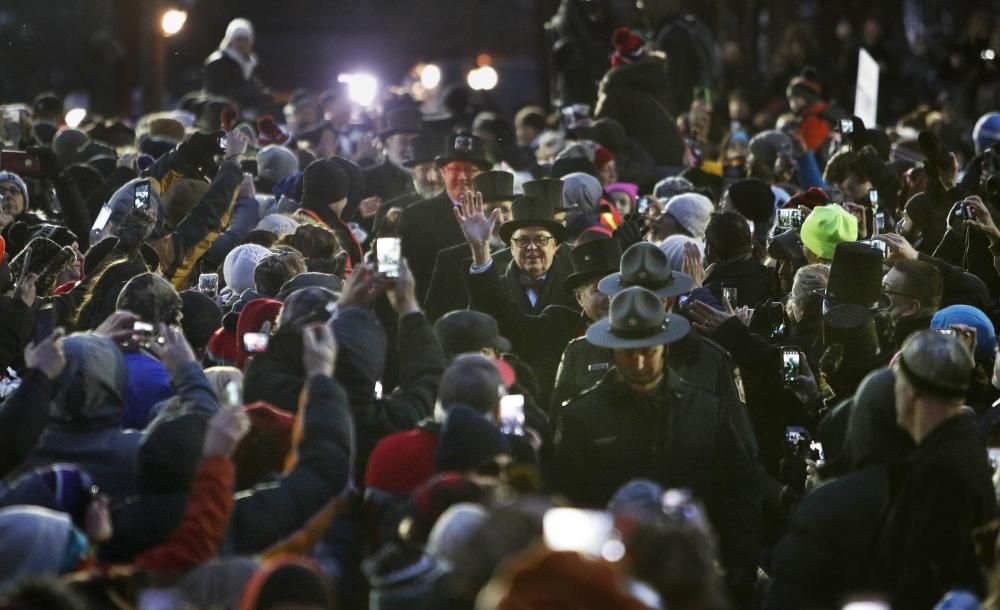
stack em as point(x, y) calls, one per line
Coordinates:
point(483, 78)
point(430, 76)
point(361, 88)
point(172, 21)
point(74, 117)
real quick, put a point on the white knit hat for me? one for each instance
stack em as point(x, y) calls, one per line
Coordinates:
point(692, 212)
point(279, 224)
point(673, 247)
point(239, 266)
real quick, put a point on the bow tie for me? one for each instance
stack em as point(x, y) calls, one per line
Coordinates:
point(530, 283)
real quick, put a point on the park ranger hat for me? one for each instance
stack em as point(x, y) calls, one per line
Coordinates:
point(645, 265)
point(637, 320)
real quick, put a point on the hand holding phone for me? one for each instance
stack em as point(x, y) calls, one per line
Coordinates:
point(512, 414)
point(208, 283)
point(791, 366)
point(389, 250)
point(141, 194)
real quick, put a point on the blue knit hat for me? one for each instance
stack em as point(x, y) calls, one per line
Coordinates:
point(968, 315)
point(12, 177)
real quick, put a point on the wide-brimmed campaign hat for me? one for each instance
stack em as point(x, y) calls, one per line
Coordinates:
point(495, 185)
point(532, 212)
point(645, 265)
point(405, 119)
point(637, 320)
point(591, 260)
point(550, 189)
point(464, 147)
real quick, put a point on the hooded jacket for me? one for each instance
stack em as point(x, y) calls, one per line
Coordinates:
point(638, 96)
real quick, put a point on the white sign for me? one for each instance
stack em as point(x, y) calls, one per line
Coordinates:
point(866, 92)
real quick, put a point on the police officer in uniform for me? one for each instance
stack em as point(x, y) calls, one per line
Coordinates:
point(698, 360)
point(643, 420)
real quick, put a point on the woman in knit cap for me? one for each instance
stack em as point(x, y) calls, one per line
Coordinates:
point(325, 190)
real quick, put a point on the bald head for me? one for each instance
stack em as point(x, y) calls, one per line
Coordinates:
point(474, 381)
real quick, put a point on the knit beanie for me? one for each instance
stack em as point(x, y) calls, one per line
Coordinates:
point(691, 211)
point(986, 133)
point(401, 462)
point(401, 577)
point(279, 224)
point(638, 497)
point(581, 191)
point(453, 528)
point(18, 182)
point(253, 318)
point(602, 156)
point(767, 145)
point(269, 132)
point(276, 162)
point(752, 198)
point(968, 315)
point(323, 183)
point(671, 186)
point(467, 440)
point(673, 247)
point(435, 496)
point(807, 86)
point(68, 143)
point(239, 266)
point(827, 226)
point(628, 47)
point(218, 583)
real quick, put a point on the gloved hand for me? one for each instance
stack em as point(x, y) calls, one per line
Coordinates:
point(48, 163)
point(631, 230)
point(200, 149)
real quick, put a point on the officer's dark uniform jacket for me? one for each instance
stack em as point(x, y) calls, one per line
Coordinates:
point(680, 435)
point(696, 359)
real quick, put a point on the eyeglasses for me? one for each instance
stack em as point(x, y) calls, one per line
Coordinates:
point(898, 294)
point(9, 190)
point(469, 172)
point(539, 241)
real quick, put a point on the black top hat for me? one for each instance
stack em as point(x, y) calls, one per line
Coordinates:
point(856, 276)
point(532, 212)
point(546, 188)
point(495, 186)
point(405, 119)
point(593, 259)
point(637, 320)
point(426, 148)
point(853, 328)
point(464, 147)
point(643, 264)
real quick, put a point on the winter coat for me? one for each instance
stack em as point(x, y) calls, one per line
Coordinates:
point(938, 495)
point(425, 229)
point(447, 291)
point(751, 279)
point(387, 181)
point(222, 76)
point(680, 435)
point(638, 96)
point(148, 384)
point(16, 323)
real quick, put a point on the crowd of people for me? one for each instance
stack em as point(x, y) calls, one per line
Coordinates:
point(596, 355)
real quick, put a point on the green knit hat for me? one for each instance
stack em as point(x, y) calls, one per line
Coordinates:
point(827, 226)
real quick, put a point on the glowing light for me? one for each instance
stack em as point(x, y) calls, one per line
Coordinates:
point(74, 117)
point(483, 78)
point(172, 21)
point(430, 76)
point(361, 88)
point(583, 531)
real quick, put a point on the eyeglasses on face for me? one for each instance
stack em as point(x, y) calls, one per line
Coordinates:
point(539, 241)
point(9, 190)
point(469, 172)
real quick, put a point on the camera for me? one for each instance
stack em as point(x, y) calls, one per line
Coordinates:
point(789, 219)
point(846, 126)
point(964, 211)
point(790, 364)
point(797, 440)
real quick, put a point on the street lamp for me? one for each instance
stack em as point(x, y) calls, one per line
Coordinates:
point(172, 21)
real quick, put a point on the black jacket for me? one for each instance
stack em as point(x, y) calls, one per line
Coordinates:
point(638, 96)
point(447, 291)
point(681, 435)
point(426, 228)
point(751, 279)
point(223, 76)
point(826, 550)
point(539, 339)
point(937, 496)
point(387, 181)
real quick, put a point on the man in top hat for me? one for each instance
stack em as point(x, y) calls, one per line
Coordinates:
point(390, 178)
point(695, 358)
point(429, 226)
point(445, 293)
point(428, 181)
point(643, 420)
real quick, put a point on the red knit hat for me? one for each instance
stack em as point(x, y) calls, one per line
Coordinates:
point(628, 47)
point(270, 132)
point(222, 347)
point(602, 156)
point(434, 497)
point(402, 462)
point(252, 319)
point(262, 451)
point(813, 198)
